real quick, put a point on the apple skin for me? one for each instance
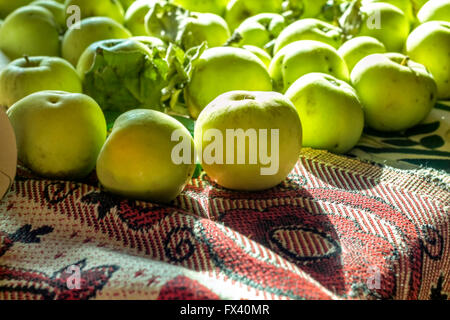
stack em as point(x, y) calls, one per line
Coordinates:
point(99, 8)
point(8, 6)
point(394, 25)
point(224, 69)
point(331, 113)
point(239, 10)
point(435, 10)
point(259, 30)
point(200, 27)
point(136, 160)
point(395, 97)
point(135, 17)
point(429, 44)
point(302, 57)
point(260, 53)
point(251, 110)
point(30, 30)
point(357, 48)
point(93, 29)
point(310, 8)
point(57, 10)
point(25, 76)
point(309, 29)
point(59, 134)
point(204, 6)
point(406, 6)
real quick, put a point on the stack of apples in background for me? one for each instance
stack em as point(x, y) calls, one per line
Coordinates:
point(105, 84)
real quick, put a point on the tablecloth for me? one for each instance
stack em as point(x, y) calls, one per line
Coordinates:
point(337, 228)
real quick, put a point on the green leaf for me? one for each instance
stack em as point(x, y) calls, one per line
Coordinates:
point(165, 20)
point(189, 123)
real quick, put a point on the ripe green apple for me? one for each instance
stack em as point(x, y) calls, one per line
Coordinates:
point(260, 53)
point(261, 29)
point(25, 76)
point(429, 44)
point(302, 57)
point(396, 92)
point(76, 40)
point(331, 113)
point(59, 134)
point(201, 27)
point(99, 8)
point(57, 10)
point(135, 17)
point(386, 23)
point(309, 29)
point(357, 48)
point(8, 6)
point(205, 6)
point(435, 10)
point(239, 161)
point(406, 6)
point(239, 10)
point(224, 69)
point(4, 60)
point(137, 158)
point(30, 30)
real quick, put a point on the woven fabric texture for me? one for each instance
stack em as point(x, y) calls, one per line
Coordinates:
point(337, 228)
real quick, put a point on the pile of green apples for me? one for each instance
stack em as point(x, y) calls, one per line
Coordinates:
point(117, 85)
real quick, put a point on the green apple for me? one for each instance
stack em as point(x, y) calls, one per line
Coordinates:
point(8, 6)
point(8, 156)
point(99, 8)
point(224, 69)
point(435, 10)
point(386, 23)
point(30, 30)
point(203, 27)
point(135, 17)
point(406, 6)
point(59, 134)
point(260, 53)
point(236, 133)
point(239, 10)
point(357, 48)
point(331, 113)
point(137, 159)
point(396, 92)
point(90, 30)
point(261, 29)
point(57, 10)
point(205, 6)
point(25, 76)
point(429, 44)
point(309, 29)
point(302, 57)
point(4, 60)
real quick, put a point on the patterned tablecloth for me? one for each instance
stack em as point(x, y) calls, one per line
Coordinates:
point(337, 228)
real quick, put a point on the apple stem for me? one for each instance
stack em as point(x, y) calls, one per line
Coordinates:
point(405, 61)
point(26, 59)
